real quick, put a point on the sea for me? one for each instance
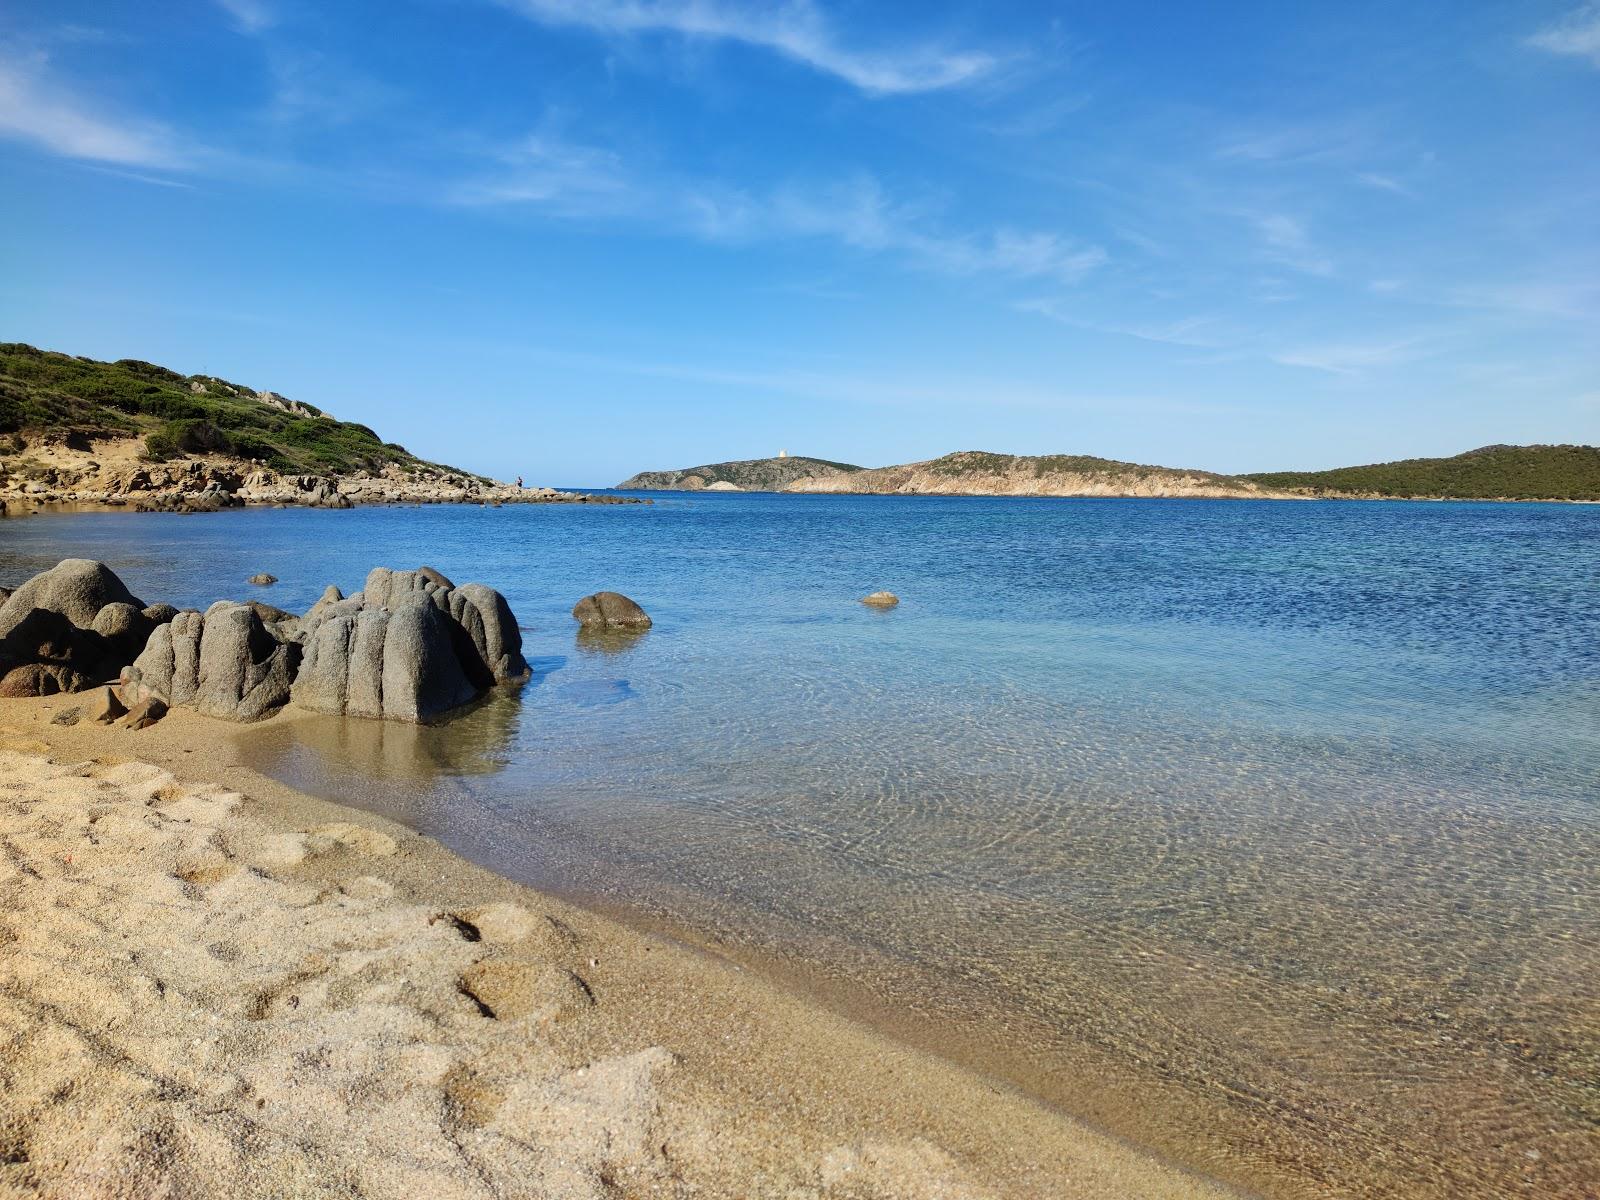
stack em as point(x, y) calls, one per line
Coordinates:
point(1265, 834)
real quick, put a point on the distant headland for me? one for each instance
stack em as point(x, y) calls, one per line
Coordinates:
point(1558, 472)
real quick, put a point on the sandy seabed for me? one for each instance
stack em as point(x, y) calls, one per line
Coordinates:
point(231, 989)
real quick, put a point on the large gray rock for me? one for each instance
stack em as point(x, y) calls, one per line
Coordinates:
point(406, 647)
point(77, 588)
point(245, 672)
point(225, 662)
point(67, 629)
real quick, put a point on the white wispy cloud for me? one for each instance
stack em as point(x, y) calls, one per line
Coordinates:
point(796, 29)
point(1385, 183)
point(250, 16)
point(861, 215)
point(1200, 332)
point(1352, 358)
point(1308, 143)
point(546, 171)
point(1578, 301)
point(1286, 240)
point(35, 109)
point(1577, 34)
point(564, 179)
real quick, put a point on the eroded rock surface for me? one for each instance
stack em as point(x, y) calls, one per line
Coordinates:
point(407, 646)
point(224, 662)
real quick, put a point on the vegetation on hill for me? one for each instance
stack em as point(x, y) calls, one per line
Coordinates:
point(1491, 472)
point(46, 393)
point(749, 474)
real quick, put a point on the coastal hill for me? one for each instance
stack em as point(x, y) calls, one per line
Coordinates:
point(61, 397)
point(745, 475)
point(979, 473)
point(968, 472)
point(132, 433)
point(1490, 473)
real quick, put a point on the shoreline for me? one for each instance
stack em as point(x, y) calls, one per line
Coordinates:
point(1131, 496)
point(764, 1090)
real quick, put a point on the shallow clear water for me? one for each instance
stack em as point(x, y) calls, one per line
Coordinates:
point(1266, 833)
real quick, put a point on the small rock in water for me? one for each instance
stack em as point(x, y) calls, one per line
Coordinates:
point(610, 610)
point(263, 579)
point(881, 599)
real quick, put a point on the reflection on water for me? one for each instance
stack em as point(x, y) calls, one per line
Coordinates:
point(610, 641)
point(475, 742)
point(1268, 834)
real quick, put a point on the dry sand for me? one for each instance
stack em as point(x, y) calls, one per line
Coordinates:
point(230, 989)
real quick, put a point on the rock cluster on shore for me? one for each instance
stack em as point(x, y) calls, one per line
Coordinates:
point(410, 646)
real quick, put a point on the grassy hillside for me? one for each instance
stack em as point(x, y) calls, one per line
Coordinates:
point(43, 393)
point(1492, 472)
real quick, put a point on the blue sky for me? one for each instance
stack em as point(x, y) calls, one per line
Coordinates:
point(574, 239)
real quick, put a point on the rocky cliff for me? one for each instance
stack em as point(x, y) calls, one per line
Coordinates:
point(977, 473)
point(744, 475)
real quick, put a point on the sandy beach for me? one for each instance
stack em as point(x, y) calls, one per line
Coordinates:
point(211, 985)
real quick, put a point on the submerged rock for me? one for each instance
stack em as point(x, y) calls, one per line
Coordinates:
point(610, 610)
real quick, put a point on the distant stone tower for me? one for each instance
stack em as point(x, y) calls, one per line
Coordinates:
point(783, 454)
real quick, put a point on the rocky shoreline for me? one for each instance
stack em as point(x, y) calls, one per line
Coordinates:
point(118, 475)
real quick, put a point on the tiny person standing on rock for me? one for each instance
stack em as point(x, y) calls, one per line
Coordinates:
point(519, 481)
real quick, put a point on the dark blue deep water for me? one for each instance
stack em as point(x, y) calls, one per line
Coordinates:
point(1283, 816)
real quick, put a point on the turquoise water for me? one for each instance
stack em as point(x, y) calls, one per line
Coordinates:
point(1268, 833)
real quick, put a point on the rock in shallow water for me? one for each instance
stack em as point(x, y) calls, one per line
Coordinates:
point(610, 610)
point(881, 599)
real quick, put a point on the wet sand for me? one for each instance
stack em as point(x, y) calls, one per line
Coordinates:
point(213, 985)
